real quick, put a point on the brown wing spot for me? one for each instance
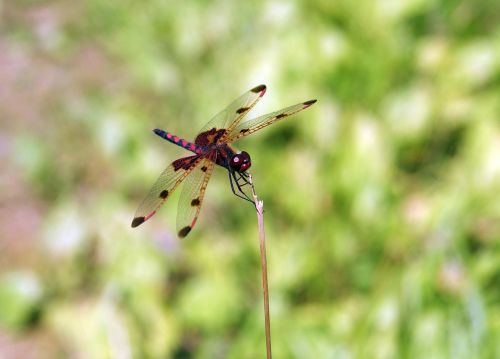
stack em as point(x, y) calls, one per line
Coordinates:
point(164, 194)
point(244, 130)
point(184, 231)
point(281, 115)
point(310, 102)
point(209, 137)
point(258, 89)
point(185, 163)
point(137, 221)
point(242, 109)
point(204, 168)
point(195, 202)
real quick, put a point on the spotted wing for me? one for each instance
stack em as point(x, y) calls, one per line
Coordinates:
point(192, 197)
point(221, 124)
point(164, 186)
point(250, 126)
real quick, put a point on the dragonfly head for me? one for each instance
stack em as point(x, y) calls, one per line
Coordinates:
point(240, 162)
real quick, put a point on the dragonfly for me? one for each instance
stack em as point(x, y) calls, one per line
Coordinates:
point(211, 147)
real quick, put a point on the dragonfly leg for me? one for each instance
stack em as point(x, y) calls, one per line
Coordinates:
point(232, 177)
point(240, 185)
point(243, 195)
point(244, 177)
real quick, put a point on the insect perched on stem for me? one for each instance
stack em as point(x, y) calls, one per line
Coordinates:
point(211, 147)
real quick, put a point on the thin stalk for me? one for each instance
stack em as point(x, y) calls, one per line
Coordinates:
point(259, 206)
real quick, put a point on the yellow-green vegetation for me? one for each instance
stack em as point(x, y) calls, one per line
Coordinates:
point(382, 200)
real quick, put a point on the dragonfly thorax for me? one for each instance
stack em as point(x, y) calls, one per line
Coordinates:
point(240, 162)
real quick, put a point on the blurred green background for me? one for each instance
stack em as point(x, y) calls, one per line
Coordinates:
point(382, 200)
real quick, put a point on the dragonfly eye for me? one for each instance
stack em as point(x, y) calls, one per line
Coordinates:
point(240, 162)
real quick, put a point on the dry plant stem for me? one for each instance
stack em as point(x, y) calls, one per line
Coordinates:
point(259, 206)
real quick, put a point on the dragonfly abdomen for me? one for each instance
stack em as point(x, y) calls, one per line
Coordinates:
point(179, 141)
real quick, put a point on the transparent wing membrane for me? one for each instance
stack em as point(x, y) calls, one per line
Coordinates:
point(192, 197)
point(168, 181)
point(252, 125)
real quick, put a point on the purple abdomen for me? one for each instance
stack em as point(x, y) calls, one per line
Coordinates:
point(179, 141)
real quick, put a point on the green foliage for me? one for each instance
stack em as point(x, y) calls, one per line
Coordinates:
point(382, 200)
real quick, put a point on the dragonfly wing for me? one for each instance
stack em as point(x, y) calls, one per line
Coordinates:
point(192, 197)
point(168, 181)
point(250, 126)
point(222, 123)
